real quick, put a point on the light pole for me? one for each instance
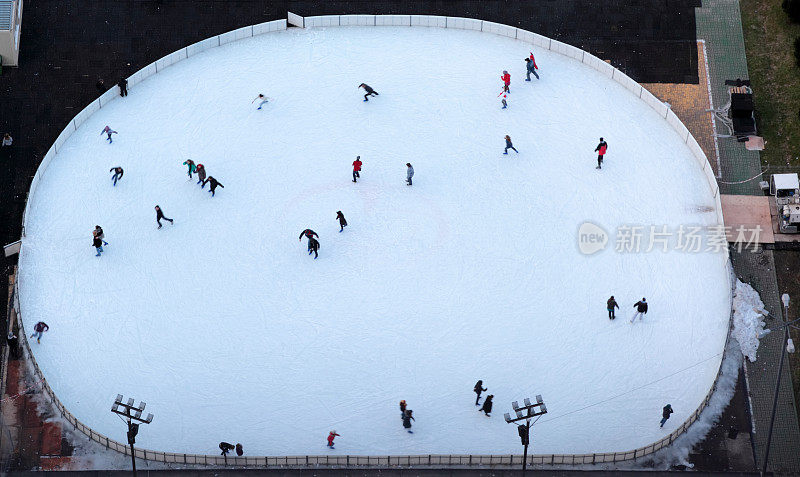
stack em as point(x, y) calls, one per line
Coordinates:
point(133, 427)
point(526, 412)
point(789, 345)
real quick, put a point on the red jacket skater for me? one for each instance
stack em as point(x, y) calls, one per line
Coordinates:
point(357, 165)
point(331, 437)
point(506, 78)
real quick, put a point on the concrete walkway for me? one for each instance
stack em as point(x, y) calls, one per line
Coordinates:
point(719, 24)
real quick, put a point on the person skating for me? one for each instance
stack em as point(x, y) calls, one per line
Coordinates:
point(262, 100)
point(101, 86)
point(409, 172)
point(509, 145)
point(530, 65)
point(123, 87)
point(308, 233)
point(97, 243)
point(99, 232)
point(38, 329)
point(342, 221)
point(487, 405)
point(160, 215)
point(408, 416)
point(7, 140)
point(665, 414)
point(601, 151)
point(190, 165)
point(201, 175)
point(214, 183)
point(226, 447)
point(478, 390)
point(331, 436)
point(504, 102)
point(369, 91)
point(118, 172)
point(313, 246)
point(610, 305)
point(641, 309)
point(357, 168)
point(506, 77)
point(403, 408)
point(239, 449)
point(109, 131)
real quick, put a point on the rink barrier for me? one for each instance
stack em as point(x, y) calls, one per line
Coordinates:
point(504, 460)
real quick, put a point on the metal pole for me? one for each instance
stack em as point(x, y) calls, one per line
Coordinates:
point(775, 401)
point(525, 451)
point(133, 454)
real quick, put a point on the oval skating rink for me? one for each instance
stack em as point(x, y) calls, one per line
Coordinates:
point(230, 331)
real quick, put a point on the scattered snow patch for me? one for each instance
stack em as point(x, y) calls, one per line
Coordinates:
point(747, 318)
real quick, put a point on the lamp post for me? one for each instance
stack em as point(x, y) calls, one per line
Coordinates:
point(789, 345)
point(131, 413)
point(526, 412)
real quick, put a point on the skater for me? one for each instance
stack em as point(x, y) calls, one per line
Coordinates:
point(201, 175)
point(109, 131)
point(313, 246)
point(214, 184)
point(117, 174)
point(191, 166)
point(409, 173)
point(101, 86)
point(478, 390)
point(262, 100)
point(98, 231)
point(641, 309)
point(601, 151)
point(408, 416)
point(239, 449)
point(665, 414)
point(506, 81)
point(369, 91)
point(357, 168)
point(160, 215)
point(503, 102)
point(38, 329)
point(487, 405)
point(123, 87)
point(97, 243)
point(331, 437)
point(610, 305)
point(403, 409)
point(226, 447)
point(342, 221)
point(509, 145)
point(308, 233)
point(530, 64)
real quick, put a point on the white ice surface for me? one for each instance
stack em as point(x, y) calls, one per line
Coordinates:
point(230, 331)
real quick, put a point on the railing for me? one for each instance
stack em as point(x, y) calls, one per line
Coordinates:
point(348, 460)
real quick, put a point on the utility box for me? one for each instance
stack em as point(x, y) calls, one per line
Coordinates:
point(10, 30)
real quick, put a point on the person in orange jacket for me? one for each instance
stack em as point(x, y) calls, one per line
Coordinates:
point(506, 81)
point(356, 168)
point(331, 437)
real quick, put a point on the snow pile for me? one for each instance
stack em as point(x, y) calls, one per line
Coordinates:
point(747, 318)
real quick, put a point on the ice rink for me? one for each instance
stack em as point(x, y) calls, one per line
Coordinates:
point(229, 331)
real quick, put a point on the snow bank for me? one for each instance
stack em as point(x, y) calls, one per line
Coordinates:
point(747, 318)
